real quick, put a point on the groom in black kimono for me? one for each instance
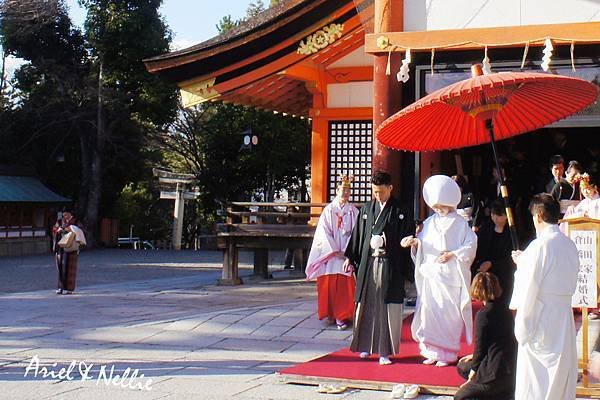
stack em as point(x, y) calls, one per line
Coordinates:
point(375, 254)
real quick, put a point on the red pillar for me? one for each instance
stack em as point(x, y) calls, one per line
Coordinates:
point(387, 91)
point(319, 159)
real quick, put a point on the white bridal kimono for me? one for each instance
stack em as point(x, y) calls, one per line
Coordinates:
point(331, 236)
point(443, 303)
point(545, 280)
point(586, 208)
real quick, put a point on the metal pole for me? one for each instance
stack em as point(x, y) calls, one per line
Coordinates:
point(503, 188)
point(417, 186)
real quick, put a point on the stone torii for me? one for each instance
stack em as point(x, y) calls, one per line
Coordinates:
point(173, 186)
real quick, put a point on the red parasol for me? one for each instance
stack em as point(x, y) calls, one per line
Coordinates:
point(485, 108)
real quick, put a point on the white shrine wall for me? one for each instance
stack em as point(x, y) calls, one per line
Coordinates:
point(420, 15)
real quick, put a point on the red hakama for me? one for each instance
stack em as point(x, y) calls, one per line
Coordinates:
point(336, 297)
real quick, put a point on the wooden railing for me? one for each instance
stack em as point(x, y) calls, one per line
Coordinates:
point(273, 212)
point(261, 227)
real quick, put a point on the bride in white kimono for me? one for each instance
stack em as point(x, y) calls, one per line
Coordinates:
point(443, 252)
point(590, 205)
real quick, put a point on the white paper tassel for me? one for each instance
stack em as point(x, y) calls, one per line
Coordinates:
point(403, 74)
point(547, 59)
point(573, 56)
point(525, 55)
point(432, 60)
point(485, 64)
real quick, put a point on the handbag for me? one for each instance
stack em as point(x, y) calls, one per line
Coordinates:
point(73, 247)
point(68, 242)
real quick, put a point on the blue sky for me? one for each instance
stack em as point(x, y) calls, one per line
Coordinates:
point(192, 21)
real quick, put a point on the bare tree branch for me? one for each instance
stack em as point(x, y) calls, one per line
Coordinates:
point(38, 11)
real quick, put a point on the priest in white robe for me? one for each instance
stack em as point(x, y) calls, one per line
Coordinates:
point(443, 252)
point(545, 281)
point(335, 287)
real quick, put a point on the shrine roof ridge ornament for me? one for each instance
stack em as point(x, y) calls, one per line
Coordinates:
point(320, 39)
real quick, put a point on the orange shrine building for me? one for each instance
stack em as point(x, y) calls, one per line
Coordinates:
point(338, 62)
point(349, 65)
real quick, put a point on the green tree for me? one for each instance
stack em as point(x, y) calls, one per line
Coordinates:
point(226, 24)
point(254, 9)
point(50, 103)
point(206, 141)
point(120, 34)
point(87, 95)
point(139, 206)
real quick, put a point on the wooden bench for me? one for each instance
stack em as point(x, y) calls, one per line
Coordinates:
point(274, 229)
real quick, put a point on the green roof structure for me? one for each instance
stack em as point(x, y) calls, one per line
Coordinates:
point(27, 189)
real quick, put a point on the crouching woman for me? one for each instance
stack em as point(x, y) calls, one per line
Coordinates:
point(490, 370)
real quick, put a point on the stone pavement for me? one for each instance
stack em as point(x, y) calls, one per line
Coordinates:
point(24, 274)
point(189, 338)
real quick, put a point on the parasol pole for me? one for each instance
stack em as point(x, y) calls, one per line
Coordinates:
point(476, 70)
point(489, 125)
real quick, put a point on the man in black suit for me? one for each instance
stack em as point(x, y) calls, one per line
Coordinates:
point(375, 254)
point(567, 189)
point(557, 168)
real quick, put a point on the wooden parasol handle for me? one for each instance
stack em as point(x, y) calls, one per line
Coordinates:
point(503, 188)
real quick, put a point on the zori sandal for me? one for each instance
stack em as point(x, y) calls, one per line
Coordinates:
point(398, 391)
point(411, 392)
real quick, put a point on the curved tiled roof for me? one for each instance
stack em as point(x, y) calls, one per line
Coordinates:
point(247, 64)
point(267, 17)
point(289, 20)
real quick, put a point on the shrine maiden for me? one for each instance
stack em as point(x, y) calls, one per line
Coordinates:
point(443, 252)
point(335, 287)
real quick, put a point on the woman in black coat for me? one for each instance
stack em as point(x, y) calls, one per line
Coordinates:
point(494, 248)
point(490, 370)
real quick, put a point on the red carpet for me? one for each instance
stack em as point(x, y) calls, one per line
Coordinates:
point(406, 367)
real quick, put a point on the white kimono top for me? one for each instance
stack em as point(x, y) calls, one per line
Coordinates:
point(588, 207)
point(331, 236)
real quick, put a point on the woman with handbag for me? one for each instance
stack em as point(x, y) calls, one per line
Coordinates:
point(68, 238)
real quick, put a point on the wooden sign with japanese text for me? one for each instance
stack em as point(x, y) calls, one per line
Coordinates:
point(586, 292)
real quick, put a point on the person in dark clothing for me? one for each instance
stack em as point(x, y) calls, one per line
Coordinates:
point(567, 189)
point(468, 207)
point(557, 169)
point(374, 253)
point(494, 249)
point(490, 370)
point(493, 192)
point(66, 258)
